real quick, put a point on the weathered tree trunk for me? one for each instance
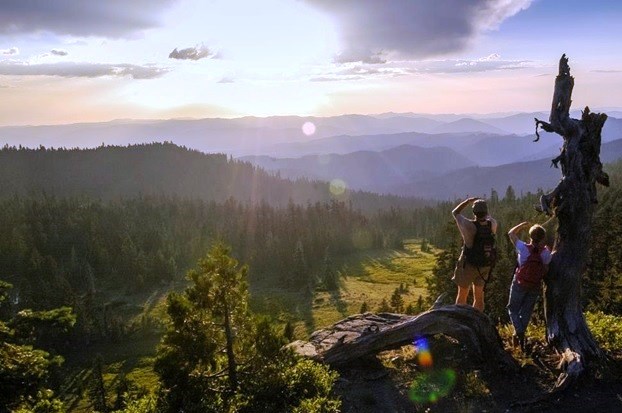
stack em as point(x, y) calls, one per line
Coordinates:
point(231, 363)
point(572, 202)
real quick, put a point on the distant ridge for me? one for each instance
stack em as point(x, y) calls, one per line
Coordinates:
point(467, 125)
point(369, 170)
point(163, 169)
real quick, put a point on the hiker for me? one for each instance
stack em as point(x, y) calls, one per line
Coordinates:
point(533, 263)
point(478, 251)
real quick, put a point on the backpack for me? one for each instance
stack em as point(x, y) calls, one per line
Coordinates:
point(483, 253)
point(531, 273)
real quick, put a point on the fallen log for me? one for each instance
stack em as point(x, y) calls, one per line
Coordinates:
point(369, 334)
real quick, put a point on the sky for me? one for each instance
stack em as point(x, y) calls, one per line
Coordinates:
point(71, 61)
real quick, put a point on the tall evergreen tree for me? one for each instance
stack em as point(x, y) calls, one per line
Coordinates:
point(216, 358)
point(397, 302)
point(97, 389)
point(330, 278)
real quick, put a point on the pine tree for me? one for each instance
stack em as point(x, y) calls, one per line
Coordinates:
point(397, 302)
point(288, 331)
point(420, 305)
point(439, 281)
point(97, 390)
point(384, 307)
point(329, 275)
point(215, 357)
point(364, 308)
point(210, 323)
point(300, 272)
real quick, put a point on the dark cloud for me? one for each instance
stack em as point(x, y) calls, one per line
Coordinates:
point(71, 69)
point(108, 18)
point(59, 52)
point(191, 53)
point(11, 51)
point(414, 29)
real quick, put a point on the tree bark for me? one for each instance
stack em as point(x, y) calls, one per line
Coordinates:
point(231, 363)
point(572, 203)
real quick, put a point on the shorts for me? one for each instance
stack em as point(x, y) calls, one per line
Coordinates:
point(466, 274)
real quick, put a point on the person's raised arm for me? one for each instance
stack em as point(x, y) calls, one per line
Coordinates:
point(462, 205)
point(513, 233)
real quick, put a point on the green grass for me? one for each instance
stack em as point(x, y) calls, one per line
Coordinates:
point(365, 276)
point(372, 277)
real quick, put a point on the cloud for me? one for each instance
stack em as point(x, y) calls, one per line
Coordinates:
point(465, 66)
point(363, 56)
point(394, 69)
point(11, 51)
point(606, 71)
point(490, 58)
point(335, 78)
point(226, 80)
point(72, 69)
point(357, 72)
point(191, 53)
point(59, 52)
point(109, 18)
point(415, 29)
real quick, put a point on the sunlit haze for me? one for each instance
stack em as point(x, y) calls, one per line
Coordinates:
point(231, 58)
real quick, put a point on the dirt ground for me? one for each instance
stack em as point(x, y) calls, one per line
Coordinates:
point(397, 381)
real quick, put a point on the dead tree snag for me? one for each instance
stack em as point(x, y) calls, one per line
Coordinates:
point(572, 203)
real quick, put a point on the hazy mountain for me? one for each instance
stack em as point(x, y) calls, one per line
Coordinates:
point(493, 150)
point(282, 136)
point(524, 124)
point(248, 135)
point(466, 125)
point(373, 171)
point(520, 124)
point(484, 149)
point(478, 181)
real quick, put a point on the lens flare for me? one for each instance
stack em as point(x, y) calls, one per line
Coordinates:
point(337, 187)
point(308, 128)
point(430, 387)
point(424, 355)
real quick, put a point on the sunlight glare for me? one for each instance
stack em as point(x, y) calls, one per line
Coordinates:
point(337, 187)
point(308, 128)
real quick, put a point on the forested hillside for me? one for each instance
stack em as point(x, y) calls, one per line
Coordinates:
point(114, 172)
point(82, 261)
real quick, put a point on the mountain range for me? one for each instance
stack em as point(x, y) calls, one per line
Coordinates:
point(283, 136)
point(407, 154)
